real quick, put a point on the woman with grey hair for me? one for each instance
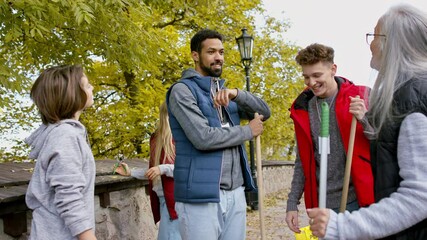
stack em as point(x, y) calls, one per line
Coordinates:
point(398, 116)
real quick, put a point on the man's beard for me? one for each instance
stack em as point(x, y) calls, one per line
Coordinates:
point(211, 72)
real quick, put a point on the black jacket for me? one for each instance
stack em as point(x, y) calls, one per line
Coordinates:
point(412, 97)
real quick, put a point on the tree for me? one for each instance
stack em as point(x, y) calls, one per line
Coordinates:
point(132, 52)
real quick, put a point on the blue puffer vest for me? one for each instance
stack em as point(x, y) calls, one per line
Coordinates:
point(197, 173)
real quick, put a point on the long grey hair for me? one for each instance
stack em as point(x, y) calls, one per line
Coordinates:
point(404, 57)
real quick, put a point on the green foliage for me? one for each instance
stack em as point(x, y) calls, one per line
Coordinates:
point(132, 52)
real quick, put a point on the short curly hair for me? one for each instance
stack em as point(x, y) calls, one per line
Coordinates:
point(202, 35)
point(315, 53)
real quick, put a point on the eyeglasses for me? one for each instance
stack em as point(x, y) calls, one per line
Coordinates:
point(370, 37)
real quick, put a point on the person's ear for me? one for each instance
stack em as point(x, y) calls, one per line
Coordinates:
point(334, 69)
point(195, 56)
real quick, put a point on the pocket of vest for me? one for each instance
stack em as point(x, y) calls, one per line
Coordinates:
point(365, 159)
point(190, 173)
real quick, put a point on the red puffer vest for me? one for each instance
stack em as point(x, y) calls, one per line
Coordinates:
point(361, 171)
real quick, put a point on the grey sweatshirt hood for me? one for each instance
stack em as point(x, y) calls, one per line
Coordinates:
point(189, 73)
point(61, 190)
point(37, 138)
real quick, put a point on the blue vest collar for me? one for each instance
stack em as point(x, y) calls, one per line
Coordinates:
point(205, 82)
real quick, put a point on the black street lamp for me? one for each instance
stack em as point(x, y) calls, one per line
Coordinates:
point(245, 44)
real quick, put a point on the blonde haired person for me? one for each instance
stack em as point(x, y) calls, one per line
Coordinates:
point(160, 175)
point(61, 190)
point(398, 115)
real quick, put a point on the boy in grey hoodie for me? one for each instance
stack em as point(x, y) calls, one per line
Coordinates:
point(61, 190)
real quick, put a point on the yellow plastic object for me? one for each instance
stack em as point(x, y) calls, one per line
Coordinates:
point(305, 234)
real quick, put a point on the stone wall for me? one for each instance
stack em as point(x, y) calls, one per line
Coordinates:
point(129, 216)
point(277, 176)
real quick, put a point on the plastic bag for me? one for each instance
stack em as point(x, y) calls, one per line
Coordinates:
point(305, 234)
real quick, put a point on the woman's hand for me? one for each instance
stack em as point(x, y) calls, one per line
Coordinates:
point(152, 173)
point(319, 219)
point(122, 169)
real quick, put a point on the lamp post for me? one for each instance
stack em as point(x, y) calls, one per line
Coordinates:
point(245, 44)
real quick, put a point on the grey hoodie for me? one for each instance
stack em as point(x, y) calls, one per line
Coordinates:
point(61, 190)
point(184, 107)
